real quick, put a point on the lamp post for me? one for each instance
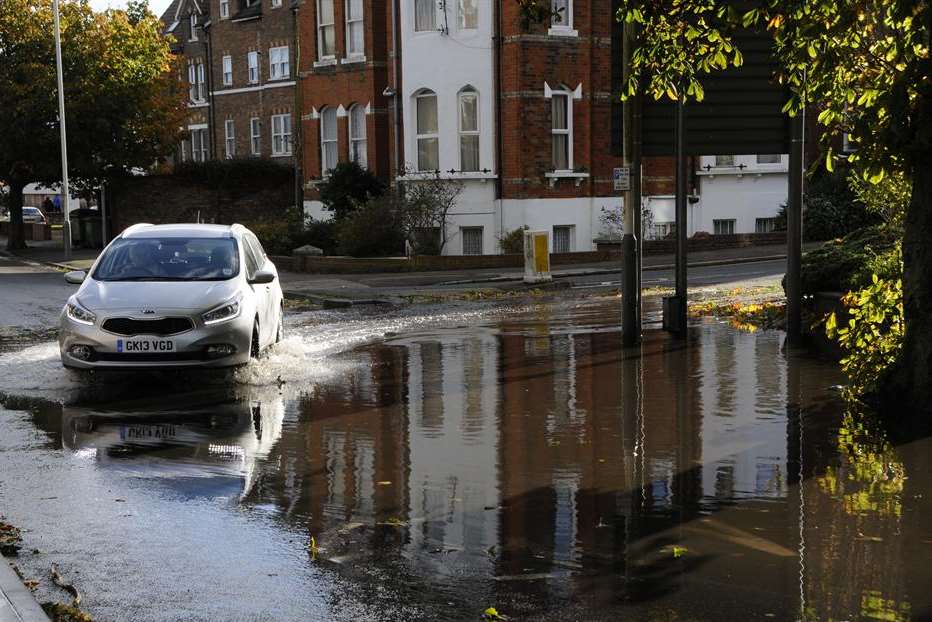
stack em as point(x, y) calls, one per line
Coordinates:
point(66, 195)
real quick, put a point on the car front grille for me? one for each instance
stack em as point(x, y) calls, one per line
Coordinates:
point(173, 357)
point(165, 326)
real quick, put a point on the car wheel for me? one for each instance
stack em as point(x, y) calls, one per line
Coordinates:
point(280, 333)
point(254, 349)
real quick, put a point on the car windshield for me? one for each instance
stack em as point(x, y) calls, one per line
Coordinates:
point(169, 259)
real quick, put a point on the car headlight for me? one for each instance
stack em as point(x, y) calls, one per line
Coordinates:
point(225, 312)
point(79, 314)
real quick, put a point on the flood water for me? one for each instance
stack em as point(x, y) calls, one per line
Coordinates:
point(405, 467)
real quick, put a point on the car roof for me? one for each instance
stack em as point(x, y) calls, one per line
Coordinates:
point(184, 230)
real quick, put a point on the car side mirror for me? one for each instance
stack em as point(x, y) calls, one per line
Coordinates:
point(75, 277)
point(262, 276)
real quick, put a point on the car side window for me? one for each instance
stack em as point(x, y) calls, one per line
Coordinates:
point(256, 247)
point(252, 263)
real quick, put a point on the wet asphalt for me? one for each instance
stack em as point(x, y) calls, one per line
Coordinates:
point(429, 462)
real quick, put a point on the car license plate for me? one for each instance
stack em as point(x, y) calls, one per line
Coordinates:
point(144, 345)
point(147, 432)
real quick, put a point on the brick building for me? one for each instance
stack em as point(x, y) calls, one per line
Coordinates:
point(240, 64)
point(519, 111)
point(345, 73)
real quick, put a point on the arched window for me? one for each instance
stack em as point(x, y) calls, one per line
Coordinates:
point(428, 141)
point(328, 139)
point(357, 135)
point(469, 129)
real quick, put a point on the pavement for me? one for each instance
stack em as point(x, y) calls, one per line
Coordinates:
point(17, 604)
point(339, 290)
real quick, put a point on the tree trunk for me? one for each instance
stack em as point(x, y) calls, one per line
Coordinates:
point(915, 371)
point(16, 240)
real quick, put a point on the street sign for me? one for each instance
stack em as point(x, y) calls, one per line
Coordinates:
point(621, 177)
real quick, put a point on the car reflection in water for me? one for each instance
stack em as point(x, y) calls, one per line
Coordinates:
point(201, 444)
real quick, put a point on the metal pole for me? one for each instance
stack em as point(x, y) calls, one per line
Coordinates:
point(103, 215)
point(630, 318)
point(794, 230)
point(675, 308)
point(66, 195)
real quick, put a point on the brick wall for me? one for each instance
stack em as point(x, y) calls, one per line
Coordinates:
point(169, 198)
point(343, 82)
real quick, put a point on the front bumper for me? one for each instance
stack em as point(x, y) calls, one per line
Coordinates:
point(190, 346)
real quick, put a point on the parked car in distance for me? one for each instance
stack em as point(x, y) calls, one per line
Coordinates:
point(170, 296)
point(34, 215)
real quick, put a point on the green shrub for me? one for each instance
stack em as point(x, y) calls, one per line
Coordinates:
point(833, 209)
point(281, 237)
point(371, 230)
point(513, 241)
point(838, 265)
point(872, 339)
point(347, 187)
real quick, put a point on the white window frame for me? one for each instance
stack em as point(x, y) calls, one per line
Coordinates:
point(349, 36)
point(431, 135)
point(229, 138)
point(321, 27)
point(472, 230)
point(279, 63)
point(325, 165)
point(769, 224)
point(461, 16)
point(433, 27)
point(563, 28)
point(255, 136)
point(470, 92)
point(282, 135)
point(199, 154)
point(201, 81)
point(568, 131)
point(252, 62)
point(224, 9)
point(192, 82)
point(715, 222)
point(227, 70)
point(358, 145)
point(724, 161)
point(570, 239)
point(276, 3)
point(192, 21)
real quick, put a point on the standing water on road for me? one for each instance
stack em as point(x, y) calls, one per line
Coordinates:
point(400, 467)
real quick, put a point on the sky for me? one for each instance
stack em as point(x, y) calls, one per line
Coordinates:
point(157, 6)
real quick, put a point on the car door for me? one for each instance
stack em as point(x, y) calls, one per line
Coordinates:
point(260, 291)
point(269, 315)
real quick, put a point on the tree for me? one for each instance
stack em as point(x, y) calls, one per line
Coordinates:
point(347, 187)
point(864, 65)
point(124, 102)
point(422, 208)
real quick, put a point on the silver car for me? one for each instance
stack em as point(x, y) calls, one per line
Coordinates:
point(170, 296)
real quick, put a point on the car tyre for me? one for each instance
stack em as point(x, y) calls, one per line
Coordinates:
point(280, 333)
point(254, 349)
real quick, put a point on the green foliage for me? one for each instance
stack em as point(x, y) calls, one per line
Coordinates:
point(281, 237)
point(124, 102)
point(833, 209)
point(864, 63)
point(887, 200)
point(513, 241)
point(349, 186)
point(873, 336)
point(371, 230)
point(838, 265)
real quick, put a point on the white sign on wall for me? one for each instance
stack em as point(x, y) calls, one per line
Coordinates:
point(622, 179)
